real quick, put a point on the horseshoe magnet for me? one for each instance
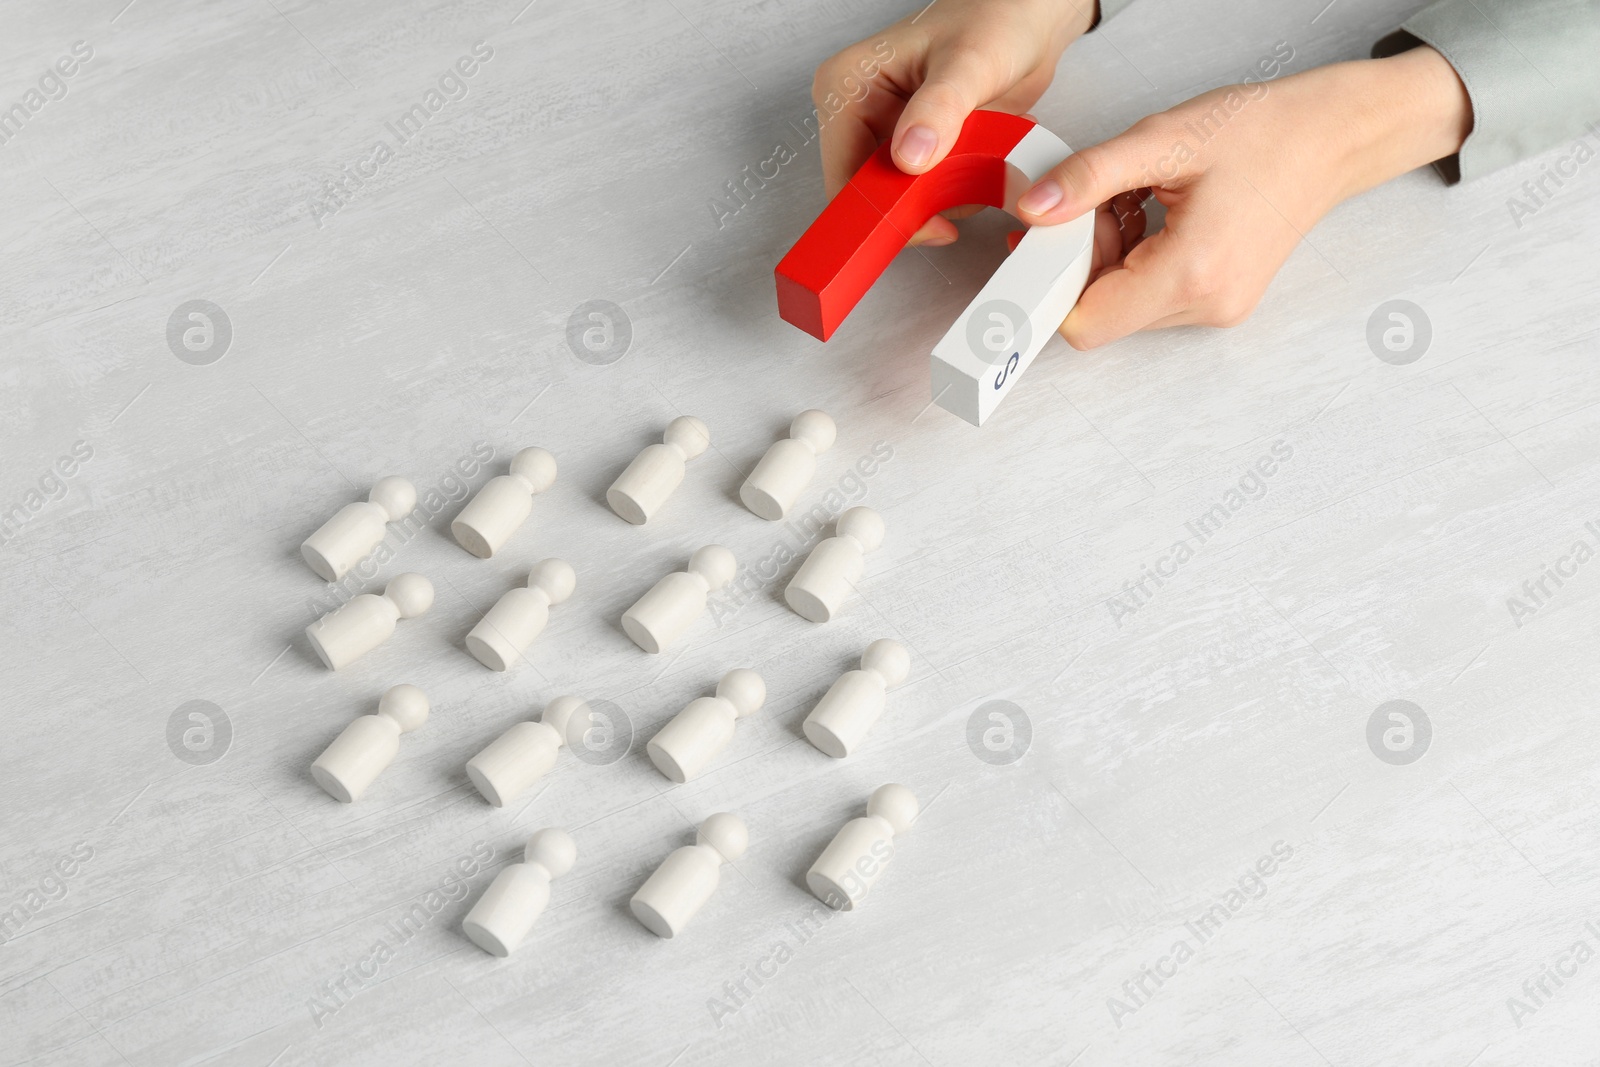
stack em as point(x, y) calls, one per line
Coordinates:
point(996, 158)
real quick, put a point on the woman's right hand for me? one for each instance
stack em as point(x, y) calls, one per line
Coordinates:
point(929, 72)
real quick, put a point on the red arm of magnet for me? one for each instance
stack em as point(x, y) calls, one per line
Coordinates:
point(863, 228)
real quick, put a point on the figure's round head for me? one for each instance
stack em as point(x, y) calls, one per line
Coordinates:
point(815, 428)
point(553, 849)
point(726, 833)
point(556, 577)
point(688, 435)
point(411, 593)
point(744, 689)
point(406, 705)
point(396, 496)
point(889, 659)
point(567, 716)
point(536, 466)
point(863, 524)
point(715, 564)
point(895, 805)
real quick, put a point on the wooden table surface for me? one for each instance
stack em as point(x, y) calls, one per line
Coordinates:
point(1185, 840)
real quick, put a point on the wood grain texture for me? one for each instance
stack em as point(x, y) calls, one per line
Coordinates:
point(209, 906)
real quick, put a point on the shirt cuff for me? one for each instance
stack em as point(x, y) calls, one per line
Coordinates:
point(1108, 9)
point(1530, 68)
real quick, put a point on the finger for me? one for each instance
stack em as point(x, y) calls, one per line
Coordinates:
point(847, 142)
point(858, 97)
point(1107, 242)
point(1185, 317)
point(1108, 246)
point(1131, 220)
point(960, 80)
point(1025, 93)
point(1146, 288)
point(935, 233)
point(1132, 227)
point(941, 229)
point(1125, 204)
point(1090, 177)
point(1111, 239)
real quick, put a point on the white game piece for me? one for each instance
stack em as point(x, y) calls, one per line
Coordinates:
point(828, 575)
point(515, 899)
point(522, 755)
point(502, 505)
point(361, 624)
point(853, 703)
point(369, 744)
point(519, 616)
point(686, 879)
point(355, 529)
point(691, 740)
point(786, 469)
point(657, 470)
point(660, 616)
point(862, 848)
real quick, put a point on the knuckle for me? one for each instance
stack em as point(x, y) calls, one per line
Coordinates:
point(834, 72)
point(957, 78)
point(826, 77)
point(966, 55)
point(943, 99)
point(1086, 171)
point(1149, 126)
point(1231, 308)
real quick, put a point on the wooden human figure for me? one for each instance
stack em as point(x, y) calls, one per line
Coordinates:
point(830, 573)
point(368, 745)
point(852, 704)
point(861, 849)
point(686, 879)
point(660, 616)
point(516, 898)
point(357, 528)
point(362, 623)
point(787, 468)
point(502, 505)
point(657, 470)
point(693, 737)
point(512, 762)
point(519, 616)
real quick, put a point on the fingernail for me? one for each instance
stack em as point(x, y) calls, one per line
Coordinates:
point(1041, 198)
point(917, 146)
point(938, 242)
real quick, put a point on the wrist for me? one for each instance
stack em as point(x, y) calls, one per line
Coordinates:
point(1409, 110)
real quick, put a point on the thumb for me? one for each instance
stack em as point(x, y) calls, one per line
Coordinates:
point(958, 83)
point(1145, 290)
point(1085, 180)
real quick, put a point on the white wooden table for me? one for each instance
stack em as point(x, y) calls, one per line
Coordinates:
point(158, 911)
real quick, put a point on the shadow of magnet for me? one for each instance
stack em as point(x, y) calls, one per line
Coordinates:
point(996, 158)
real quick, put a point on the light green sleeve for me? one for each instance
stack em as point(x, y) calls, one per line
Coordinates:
point(1531, 67)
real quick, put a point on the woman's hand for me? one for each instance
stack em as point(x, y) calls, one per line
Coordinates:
point(931, 71)
point(1244, 172)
